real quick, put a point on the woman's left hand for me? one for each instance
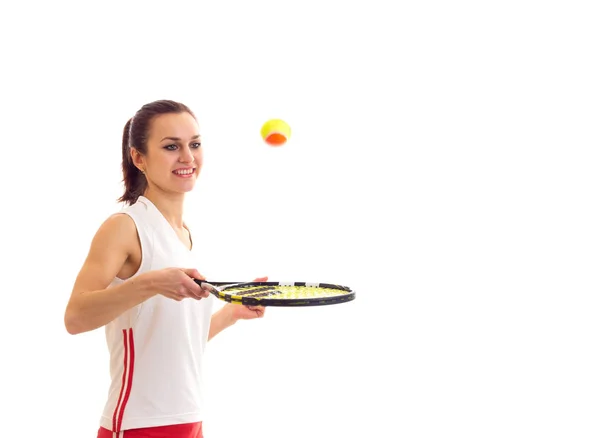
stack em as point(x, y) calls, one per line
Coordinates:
point(247, 312)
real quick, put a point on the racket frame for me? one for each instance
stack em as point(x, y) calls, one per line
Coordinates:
point(219, 289)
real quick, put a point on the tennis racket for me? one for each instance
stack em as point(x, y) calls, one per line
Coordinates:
point(281, 294)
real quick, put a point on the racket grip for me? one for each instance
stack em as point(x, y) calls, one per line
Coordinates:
point(216, 283)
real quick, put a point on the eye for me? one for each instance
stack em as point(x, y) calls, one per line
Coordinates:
point(171, 147)
point(196, 145)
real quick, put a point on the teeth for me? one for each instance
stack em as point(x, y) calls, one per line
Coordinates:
point(184, 172)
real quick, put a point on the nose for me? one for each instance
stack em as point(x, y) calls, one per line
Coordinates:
point(186, 155)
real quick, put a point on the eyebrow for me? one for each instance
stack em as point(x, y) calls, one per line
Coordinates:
point(195, 137)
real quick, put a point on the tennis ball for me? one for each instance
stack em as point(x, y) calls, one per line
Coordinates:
point(275, 132)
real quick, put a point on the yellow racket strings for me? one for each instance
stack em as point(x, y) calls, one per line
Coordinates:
point(284, 292)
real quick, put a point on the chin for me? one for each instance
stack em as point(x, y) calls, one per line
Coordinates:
point(187, 188)
point(179, 188)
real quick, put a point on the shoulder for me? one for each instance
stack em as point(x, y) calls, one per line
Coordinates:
point(129, 228)
point(126, 220)
point(118, 230)
point(118, 225)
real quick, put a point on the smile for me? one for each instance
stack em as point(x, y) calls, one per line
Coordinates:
point(185, 173)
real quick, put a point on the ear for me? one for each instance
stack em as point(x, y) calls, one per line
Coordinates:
point(137, 159)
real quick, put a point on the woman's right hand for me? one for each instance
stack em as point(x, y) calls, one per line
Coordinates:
point(176, 283)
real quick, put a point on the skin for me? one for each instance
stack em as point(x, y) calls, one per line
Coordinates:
point(115, 250)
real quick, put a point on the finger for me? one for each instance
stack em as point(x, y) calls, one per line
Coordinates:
point(207, 289)
point(196, 296)
point(194, 290)
point(261, 279)
point(193, 273)
point(259, 310)
point(182, 291)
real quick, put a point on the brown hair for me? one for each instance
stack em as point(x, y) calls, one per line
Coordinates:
point(135, 135)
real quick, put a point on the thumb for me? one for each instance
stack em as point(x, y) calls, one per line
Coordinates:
point(193, 273)
point(260, 279)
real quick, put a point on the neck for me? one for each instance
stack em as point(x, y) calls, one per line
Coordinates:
point(169, 204)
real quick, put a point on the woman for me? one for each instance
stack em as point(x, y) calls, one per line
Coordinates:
point(138, 282)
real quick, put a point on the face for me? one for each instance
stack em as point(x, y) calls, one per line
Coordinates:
point(174, 156)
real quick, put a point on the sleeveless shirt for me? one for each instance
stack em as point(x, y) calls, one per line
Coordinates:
point(156, 348)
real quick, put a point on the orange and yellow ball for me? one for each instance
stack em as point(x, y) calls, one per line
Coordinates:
point(275, 132)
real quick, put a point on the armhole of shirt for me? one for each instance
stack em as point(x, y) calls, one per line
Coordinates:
point(146, 240)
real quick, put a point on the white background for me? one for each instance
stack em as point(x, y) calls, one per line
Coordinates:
point(443, 162)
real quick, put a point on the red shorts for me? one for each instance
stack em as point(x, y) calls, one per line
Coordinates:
point(189, 430)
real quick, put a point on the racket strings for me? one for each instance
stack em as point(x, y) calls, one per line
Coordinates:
point(285, 292)
point(264, 291)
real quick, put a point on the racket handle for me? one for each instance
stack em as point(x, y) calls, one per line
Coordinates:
point(216, 283)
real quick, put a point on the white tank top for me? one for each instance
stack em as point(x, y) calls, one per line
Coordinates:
point(156, 348)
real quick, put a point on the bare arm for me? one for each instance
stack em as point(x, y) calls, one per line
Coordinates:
point(92, 304)
point(220, 320)
point(230, 313)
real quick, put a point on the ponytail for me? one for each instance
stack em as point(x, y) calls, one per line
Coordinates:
point(133, 179)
